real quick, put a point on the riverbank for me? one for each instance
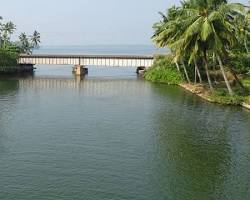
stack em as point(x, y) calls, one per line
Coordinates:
point(205, 94)
point(166, 72)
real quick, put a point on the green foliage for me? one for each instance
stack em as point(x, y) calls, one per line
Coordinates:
point(240, 63)
point(163, 71)
point(9, 50)
point(8, 58)
point(247, 83)
point(202, 35)
point(35, 39)
point(26, 43)
point(198, 28)
point(247, 100)
point(222, 97)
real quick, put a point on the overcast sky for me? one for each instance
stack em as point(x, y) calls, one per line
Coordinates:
point(86, 22)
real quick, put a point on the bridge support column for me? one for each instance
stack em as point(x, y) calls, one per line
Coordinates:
point(80, 70)
point(140, 70)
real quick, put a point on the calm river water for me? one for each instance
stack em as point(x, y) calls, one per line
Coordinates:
point(115, 136)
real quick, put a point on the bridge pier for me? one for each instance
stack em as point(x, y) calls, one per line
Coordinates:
point(80, 70)
point(140, 70)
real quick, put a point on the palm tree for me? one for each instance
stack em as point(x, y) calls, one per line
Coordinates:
point(243, 29)
point(24, 44)
point(197, 70)
point(1, 32)
point(8, 29)
point(35, 39)
point(211, 30)
point(167, 31)
point(199, 29)
point(248, 13)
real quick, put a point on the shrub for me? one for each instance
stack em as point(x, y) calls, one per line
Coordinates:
point(163, 71)
point(8, 60)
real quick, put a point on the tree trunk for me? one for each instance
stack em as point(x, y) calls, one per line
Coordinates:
point(224, 75)
point(185, 70)
point(195, 75)
point(177, 66)
point(245, 43)
point(237, 79)
point(207, 72)
point(214, 65)
point(197, 70)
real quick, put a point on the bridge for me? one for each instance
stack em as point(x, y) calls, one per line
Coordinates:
point(81, 61)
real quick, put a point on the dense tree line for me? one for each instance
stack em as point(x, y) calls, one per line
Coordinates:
point(9, 50)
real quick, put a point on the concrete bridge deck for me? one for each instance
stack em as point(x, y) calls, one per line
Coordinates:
point(88, 60)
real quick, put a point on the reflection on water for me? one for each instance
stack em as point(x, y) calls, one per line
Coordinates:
point(8, 86)
point(90, 87)
point(118, 138)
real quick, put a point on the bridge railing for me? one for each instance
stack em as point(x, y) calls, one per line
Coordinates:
point(88, 60)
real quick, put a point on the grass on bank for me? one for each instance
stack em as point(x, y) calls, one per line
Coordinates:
point(241, 95)
point(220, 97)
point(246, 83)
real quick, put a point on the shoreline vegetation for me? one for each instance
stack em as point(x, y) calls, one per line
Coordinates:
point(10, 50)
point(164, 71)
point(209, 43)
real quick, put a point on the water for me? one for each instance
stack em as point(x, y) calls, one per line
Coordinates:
point(102, 50)
point(113, 135)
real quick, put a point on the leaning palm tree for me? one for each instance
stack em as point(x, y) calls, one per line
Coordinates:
point(167, 31)
point(220, 31)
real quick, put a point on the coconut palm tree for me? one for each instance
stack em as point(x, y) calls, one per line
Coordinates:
point(211, 30)
point(24, 43)
point(35, 39)
point(167, 31)
point(1, 31)
point(7, 29)
point(248, 14)
point(243, 30)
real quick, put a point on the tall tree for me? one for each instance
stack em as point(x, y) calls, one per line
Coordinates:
point(7, 29)
point(242, 24)
point(25, 45)
point(1, 31)
point(167, 31)
point(211, 30)
point(36, 39)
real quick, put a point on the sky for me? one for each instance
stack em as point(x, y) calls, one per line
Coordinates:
point(86, 22)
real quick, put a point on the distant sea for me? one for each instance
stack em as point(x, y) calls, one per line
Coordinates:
point(102, 50)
